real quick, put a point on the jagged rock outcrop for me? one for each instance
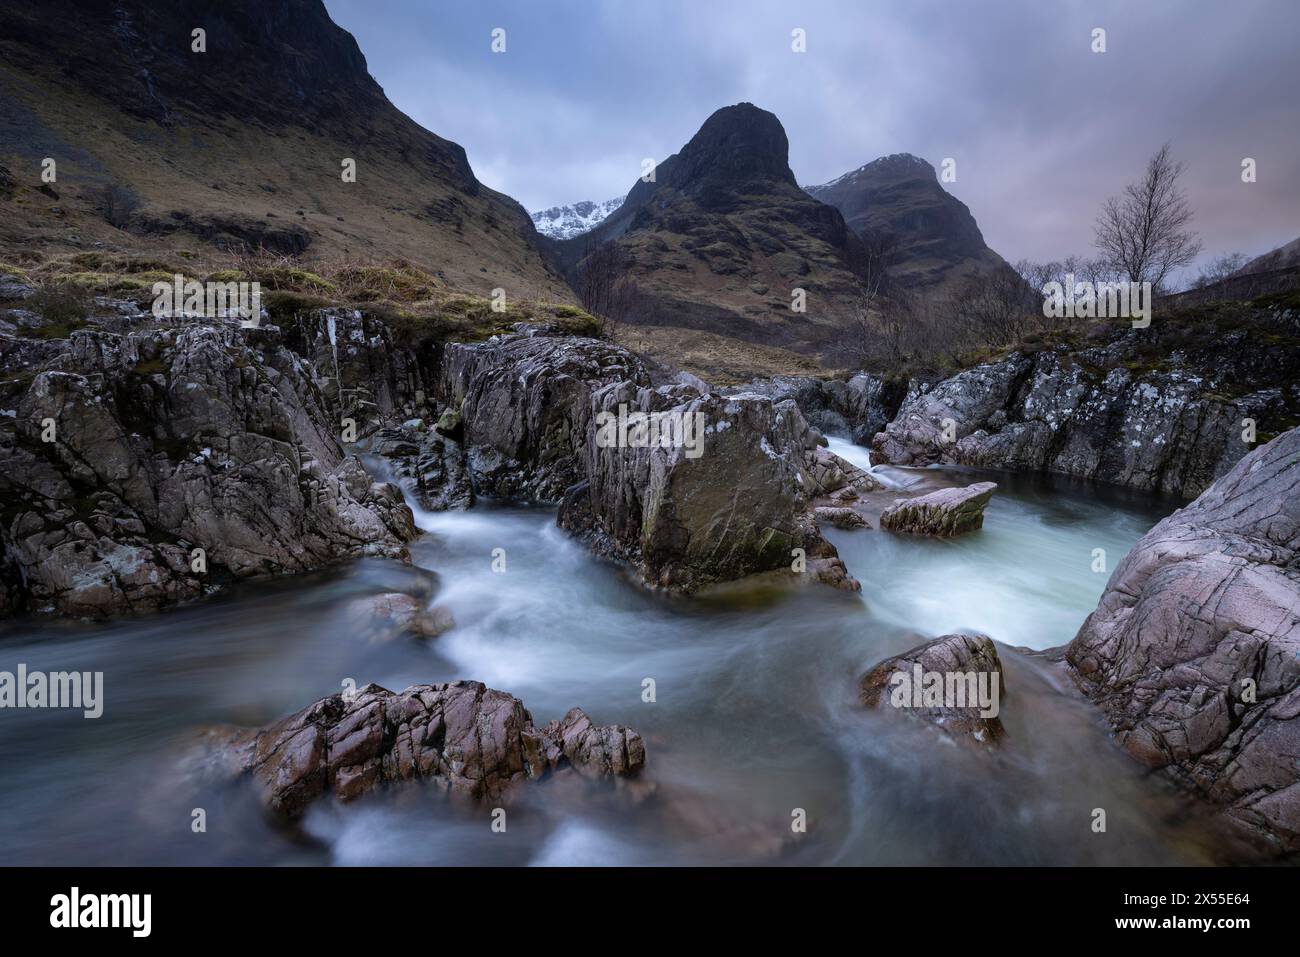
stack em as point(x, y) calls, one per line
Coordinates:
point(121, 454)
point(360, 370)
point(1160, 409)
point(840, 516)
point(525, 407)
point(463, 738)
point(955, 683)
point(1193, 653)
point(859, 406)
point(529, 408)
point(738, 507)
point(944, 513)
point(437, 466)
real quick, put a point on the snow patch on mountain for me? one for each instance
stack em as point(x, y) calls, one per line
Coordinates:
point(565, 222)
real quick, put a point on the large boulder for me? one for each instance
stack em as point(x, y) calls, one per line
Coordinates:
point(947, 512)
point(954, 683)
point(736, 505)
point(122, 455)
point(464, 738)
point(531, 408)
point(525, 406)
point(1193, 652)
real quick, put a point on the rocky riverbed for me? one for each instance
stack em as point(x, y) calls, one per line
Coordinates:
point(149, 464)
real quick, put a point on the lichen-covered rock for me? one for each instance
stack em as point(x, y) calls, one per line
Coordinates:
point(463, 738)
point(122, 455)
point(944, 513)
point(530, 406)
point(1108, 410)
point(1193, 652)
point(955, 683)
point(739, 507)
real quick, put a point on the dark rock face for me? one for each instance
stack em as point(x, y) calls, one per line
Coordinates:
point(464, 738)
point(741, 507)
point(168, 440)
point(1171, 428)
point(360, 370)
point(899, 685)
point(529, 407)
point(436, 466)
point(947, 512)
point(900, 196)
point(525, 406)
point(1193, 652)
point(858, 407)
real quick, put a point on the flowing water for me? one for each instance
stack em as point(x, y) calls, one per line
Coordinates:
point(753, 724)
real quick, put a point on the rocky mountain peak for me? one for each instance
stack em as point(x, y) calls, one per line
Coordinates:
point(739, 144)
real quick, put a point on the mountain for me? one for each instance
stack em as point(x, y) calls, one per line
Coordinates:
point(936, 239)
point(565, 222)
point(723, 236)
point(1284, 257)
point(243, 144)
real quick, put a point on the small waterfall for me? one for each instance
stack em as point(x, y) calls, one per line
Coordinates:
point(332, 329)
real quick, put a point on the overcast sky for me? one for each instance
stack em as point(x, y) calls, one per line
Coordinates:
point(1042, 129)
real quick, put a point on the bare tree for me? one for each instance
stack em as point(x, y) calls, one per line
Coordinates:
point(116, 203)
point(879, 253)
point(605, 285)
point(1144, 234)
point(1218, 269)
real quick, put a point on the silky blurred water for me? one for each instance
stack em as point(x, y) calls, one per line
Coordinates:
point(754, 718)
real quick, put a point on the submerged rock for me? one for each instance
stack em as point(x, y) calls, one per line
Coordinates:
point(1193, 652)
point(384, 616)
point(954, 683)
point(947, 512)
point(464, 738)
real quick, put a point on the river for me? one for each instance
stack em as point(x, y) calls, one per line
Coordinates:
point(753, 721)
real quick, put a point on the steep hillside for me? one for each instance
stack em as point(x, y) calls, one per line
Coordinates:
point(724, 235)
point(241, 145)
point(936, 239)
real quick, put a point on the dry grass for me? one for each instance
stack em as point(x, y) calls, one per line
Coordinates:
point(719, 360)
